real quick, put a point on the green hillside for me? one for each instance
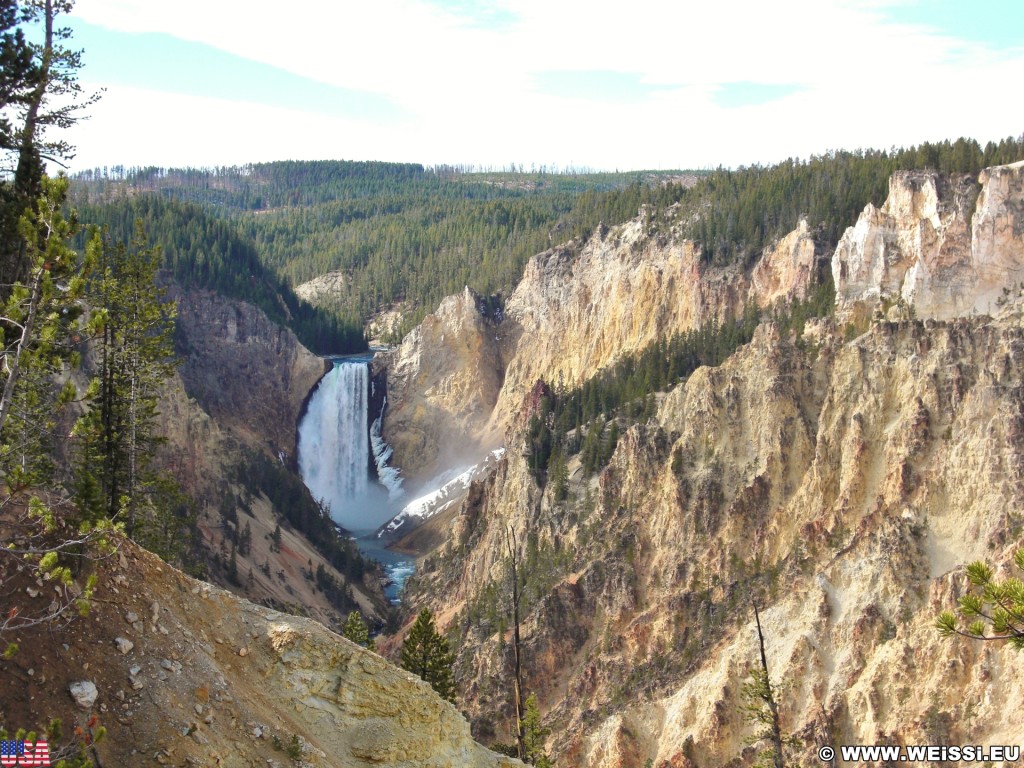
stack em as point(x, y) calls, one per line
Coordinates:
point(400, 232)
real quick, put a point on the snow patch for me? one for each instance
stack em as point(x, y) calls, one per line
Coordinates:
point(449, 488)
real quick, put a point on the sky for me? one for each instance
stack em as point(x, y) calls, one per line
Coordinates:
point(556, 83)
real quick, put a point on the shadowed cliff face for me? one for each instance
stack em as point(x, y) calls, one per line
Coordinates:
point(442, 383)
point(247, 372)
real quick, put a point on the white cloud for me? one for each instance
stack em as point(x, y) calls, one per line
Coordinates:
point(864, 82)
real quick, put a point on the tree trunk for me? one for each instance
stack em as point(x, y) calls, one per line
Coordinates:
point(769, 698)
point(28, 174)
point(510, 543)
point(14, 368)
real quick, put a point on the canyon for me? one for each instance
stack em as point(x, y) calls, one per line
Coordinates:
point(839, 478)
point(837, 473)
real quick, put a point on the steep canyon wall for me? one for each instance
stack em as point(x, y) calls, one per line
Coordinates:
point(840, 480)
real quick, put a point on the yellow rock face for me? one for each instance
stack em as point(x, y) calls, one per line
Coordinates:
point(842, 484)
point(786, 269)
point(842, 490)
point(442, 385)
point(212, 679)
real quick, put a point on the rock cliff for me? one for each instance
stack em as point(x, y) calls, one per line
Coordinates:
point(948, 247)
point(334, 284)
point(841, 490)
point(247, 372)
point(442, 383)
point(459, 378)
point(786, 269)
point(187, 674)
point(841, 480)
point(578, 309)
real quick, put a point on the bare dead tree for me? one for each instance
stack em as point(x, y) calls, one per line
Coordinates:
point(513, 554)
point(763, 690)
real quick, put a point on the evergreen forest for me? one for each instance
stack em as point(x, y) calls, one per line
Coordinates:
point(408, 235)
point(400, 233)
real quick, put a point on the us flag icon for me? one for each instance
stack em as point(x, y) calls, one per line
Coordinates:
point(20, 753)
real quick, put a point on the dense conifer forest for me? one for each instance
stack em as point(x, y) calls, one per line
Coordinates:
point(404, 234)
point(201, 250)
point(399, 232)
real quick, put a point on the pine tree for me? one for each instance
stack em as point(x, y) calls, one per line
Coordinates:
point(232, 566)
point(761, 708)
point(39, 88)
point(133, 326)
point(559, 476)
point(355, 629)
point(534, 735)
point(425, 652)
point(991, 610)
point(38, 329)
point(37, 316)
point(245, 540)
point(517, 650)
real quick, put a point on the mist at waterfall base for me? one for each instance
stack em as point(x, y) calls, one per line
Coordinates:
point(334, 462)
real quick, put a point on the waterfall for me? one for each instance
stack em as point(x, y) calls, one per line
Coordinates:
point(334, 462)
point(390, 477)
point(334, 444)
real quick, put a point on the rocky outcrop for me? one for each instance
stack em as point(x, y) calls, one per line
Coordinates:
point(842, 489)
point(210, 679)
point(925, 246)
point(579, 309)
point(787, 269)
point(333, 284)
point(997, 234)
point(442, 384)
point(247, 372)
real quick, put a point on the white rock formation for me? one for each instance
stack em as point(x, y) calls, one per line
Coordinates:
point(923, 246)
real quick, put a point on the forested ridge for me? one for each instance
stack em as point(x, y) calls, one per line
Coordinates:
point(734, 214)
point(404, 233)
point(201, 250)
point(400, 232)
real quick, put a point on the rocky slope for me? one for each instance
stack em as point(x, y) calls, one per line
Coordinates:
point(839, 480)
point(182, 673)
point(331, 283)
point(842, 492)
point(239, 392)
point(247, 372)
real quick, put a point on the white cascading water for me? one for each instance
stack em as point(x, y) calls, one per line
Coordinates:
point(390, 477)
point(334, 443)
point(334, 456)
